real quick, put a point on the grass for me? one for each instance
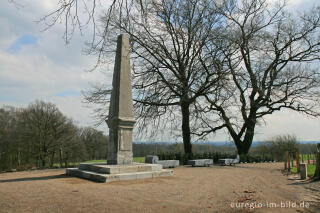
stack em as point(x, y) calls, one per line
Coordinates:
point(139, 159)
point(74, 164)
point(70, 164)
point(135, 159)
point(305, 157)
point(310, 169)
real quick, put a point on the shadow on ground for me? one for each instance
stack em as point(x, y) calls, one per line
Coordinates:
point(35, 178)
point(302, 182)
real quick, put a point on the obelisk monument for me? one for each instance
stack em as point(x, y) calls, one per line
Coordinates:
point(120, 165)
point(120, 120)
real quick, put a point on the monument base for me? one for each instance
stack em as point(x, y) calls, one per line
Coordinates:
point(100, 172)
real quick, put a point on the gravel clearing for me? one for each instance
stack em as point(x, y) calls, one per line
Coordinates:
point(191, 189)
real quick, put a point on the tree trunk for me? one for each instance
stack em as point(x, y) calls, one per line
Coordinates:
point(297, 160)
point(186, 133)
point(60, 157)
point(43, 163)
point(19, 158)
point(52, 158)
point(243, 146)
point(66, 158)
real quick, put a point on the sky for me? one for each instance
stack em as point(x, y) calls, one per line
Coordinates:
point(37, 64)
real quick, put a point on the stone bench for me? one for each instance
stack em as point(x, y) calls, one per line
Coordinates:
point(200, 162)
point(229, 161)
point(153, 159)
point(168, 163)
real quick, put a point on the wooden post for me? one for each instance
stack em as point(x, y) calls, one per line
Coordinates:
point(297, 160)
point(317, 172)
point(304, 171)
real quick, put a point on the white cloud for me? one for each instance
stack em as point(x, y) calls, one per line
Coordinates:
point(45, 70)
point(289, 122)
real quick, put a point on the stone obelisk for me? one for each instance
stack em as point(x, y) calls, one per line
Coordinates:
point(120, 165)
point(120, 120)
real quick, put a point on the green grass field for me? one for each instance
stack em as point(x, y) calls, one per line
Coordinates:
point(311, 169)
point(73, 164)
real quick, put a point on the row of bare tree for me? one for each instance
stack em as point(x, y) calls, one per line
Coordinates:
point(40, 136)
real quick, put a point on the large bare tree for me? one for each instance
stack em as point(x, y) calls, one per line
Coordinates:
point(273, 59)
point(174, 57)
point(43, 126)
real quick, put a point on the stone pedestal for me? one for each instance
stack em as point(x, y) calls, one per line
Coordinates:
point(108, 173)
point(120, 141)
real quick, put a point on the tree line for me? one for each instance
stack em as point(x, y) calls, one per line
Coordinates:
point(273, 148)
point(40, 136)
point(143, 149)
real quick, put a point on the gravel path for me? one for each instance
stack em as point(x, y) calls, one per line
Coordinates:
point(191, 189)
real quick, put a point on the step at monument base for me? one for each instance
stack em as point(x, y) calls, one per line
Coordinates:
point(103, 168)
point(109, 173)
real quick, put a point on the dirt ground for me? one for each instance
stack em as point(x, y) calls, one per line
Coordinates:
point(191, 189)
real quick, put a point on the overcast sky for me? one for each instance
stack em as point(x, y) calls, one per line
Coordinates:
point(38, 65)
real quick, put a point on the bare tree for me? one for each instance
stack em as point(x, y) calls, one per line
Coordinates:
point(71, 147)
point(95, 143)
point(43, 124)
point(273, 60)
point(176, 61)
point(174, 55)
point(11, 148)
point(64, 139)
